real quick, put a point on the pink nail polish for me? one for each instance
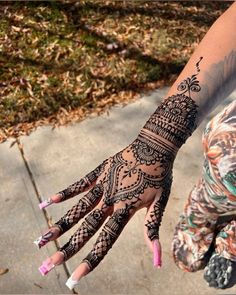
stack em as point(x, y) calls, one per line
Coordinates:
point(157, 254)
point(45, 203)
point(46, 267)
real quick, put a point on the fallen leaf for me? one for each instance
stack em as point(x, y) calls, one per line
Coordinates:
point(3, 271)
point(37, 285)
point(16, 29)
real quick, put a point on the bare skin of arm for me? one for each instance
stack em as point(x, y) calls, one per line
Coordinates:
point(140, 175)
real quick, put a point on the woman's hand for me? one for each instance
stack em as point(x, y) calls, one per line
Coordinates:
point(138, 176)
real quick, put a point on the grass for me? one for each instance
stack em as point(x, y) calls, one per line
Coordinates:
point(60, 61)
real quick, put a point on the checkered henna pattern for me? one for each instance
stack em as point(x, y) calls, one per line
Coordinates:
point(108, 236)
point(87, 229)
point(78, 211)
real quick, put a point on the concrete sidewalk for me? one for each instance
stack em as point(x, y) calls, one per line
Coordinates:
point(49, 161)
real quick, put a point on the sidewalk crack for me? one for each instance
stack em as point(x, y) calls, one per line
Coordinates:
point(45, 213)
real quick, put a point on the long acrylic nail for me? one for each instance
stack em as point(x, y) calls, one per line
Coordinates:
point(81, 271)
point(46, 267)
point(157, 254)
point(45, 203)
point(70, 283)
point(44, 239)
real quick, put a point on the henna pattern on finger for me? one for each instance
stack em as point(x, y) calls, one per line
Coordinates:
point(153, 225)
point(83, 184)
point(108, 236)
point(78, 211)
point(87, 229)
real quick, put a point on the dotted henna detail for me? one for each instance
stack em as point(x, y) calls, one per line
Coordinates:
point(143, 180)
point(108, 236)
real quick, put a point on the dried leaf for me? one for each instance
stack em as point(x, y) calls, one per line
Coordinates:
point(49, 62)
point(16, 29)
point(37, 285)
point(3, 271)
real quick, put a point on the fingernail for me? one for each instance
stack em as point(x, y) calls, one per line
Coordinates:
point(157, 254)
point(43, 240)
point(81, 271)
point(70, 283)
point(45, 203)
point(46, 267)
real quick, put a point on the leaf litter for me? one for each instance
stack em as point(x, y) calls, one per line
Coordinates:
point(62, 61)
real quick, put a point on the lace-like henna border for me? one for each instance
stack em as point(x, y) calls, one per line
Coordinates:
point(176, 118)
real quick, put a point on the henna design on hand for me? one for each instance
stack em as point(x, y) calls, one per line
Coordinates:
point(87, 229)
point(136, 177)
point(107, 237)
point(85, 204)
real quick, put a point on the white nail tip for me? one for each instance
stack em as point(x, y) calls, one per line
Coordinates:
point(36, 242)
point(71, 283)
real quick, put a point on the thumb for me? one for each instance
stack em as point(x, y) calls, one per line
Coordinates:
point(152, 241)
point(153, 220)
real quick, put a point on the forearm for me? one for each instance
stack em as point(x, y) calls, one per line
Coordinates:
point(207, 79)
point(217, 75)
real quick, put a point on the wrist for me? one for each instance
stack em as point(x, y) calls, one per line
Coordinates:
point(173, 121)
point(155, 142)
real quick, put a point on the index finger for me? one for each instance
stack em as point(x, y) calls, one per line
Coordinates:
point(76, 188)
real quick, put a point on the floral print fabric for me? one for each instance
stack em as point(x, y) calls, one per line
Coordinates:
point(214, 195)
